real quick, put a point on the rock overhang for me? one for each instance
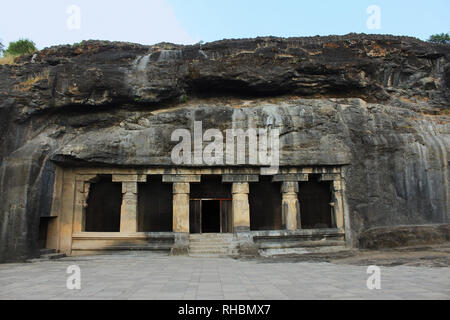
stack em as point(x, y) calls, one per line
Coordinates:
point(377, 106)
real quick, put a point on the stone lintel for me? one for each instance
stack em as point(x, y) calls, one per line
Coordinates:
point(86, 177)
point(329, 177)
point(129, 178)
point(177, 178)
point(227, 178)
point(290, 177)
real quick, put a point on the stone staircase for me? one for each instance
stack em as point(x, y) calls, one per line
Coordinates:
point(49, 254)
point(212, 245)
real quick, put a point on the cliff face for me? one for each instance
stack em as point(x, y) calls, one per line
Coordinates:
point(377, 105)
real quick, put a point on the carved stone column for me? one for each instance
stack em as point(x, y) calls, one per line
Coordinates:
point(290, 206)
point(181, 228)
point(82, 187)
point(181, 192)
point(241, 220)
point(290, 210)
point(241, 207)
point(129, 208)
point(128, 211)
point(81, 196)
point(338, 203)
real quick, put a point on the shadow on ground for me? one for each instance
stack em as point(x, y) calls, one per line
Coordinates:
point(424, 256)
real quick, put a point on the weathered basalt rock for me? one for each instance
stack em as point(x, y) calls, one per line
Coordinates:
point(403, 236)
point(376, 105)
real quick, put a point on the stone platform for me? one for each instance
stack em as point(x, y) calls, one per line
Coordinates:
point(149, 275)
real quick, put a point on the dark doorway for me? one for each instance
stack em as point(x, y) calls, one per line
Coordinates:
point(315, 198)
point(43, 227)
point(103, 210)
point(210, 207)
point(211, 216)
point(265, 204)
point(155, 205)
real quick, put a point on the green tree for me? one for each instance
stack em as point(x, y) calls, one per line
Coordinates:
point(20, 47)
point(1, 47)
point(440, 38)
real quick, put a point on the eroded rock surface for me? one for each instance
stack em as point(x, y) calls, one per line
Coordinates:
point(376, 105)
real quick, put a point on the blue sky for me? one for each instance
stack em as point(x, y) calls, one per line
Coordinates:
point(189, 21)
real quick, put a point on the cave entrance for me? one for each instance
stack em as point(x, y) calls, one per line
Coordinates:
point(210, 216)
point(315, 204)
point(103, 206)
point(155, 206)
point(210, 206)
point(265, 205)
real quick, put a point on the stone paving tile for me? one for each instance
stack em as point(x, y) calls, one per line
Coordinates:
point(155, 276)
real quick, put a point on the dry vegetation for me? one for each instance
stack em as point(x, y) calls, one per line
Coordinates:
point(27, 84)
point(7, 60)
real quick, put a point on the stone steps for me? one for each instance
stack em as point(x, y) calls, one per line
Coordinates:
point(209, 242)
point(211, 245)
point(209, 256)
point(53, 256)
point(47, 251)
point(211, 236)
point(212, 251)
point(301, 251)
point(49, 254)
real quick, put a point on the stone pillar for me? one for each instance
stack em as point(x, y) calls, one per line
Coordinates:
point(181, 228)
point(181, 192)
point(290, 211)
point(241, 207)
point(128, 212)
point(67, 211)
point(241, 220)
point(290, 206)
point(129, 209)
point(81, 196)
point(338, 204)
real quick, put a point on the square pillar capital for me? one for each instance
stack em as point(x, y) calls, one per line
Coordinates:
point(289, 187)
point(337, 185)
point(129, 187)
point(240, 188)
point(181, 188)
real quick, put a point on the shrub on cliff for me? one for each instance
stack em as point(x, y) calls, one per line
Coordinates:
point(20, 47)
point(440, 38)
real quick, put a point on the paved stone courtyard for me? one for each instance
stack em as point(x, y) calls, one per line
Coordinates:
point(143, 275)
